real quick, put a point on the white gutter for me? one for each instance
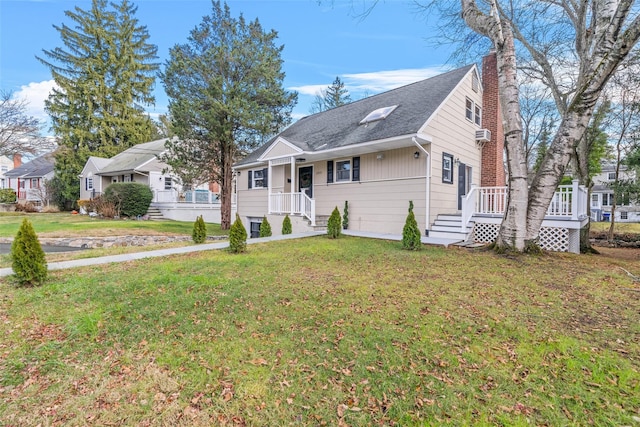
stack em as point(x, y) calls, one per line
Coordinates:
point(428, 180)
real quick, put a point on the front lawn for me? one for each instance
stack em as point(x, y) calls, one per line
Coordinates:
point(327, 332)
point(65, 224)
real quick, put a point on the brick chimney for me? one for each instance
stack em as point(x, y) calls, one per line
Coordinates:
point(17, 160)
point(492, 172)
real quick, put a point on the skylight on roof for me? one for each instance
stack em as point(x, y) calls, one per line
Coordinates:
point(379, 114)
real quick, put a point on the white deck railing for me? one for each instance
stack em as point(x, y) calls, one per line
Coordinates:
point(191, 196)
point(569, 202)
point(293, 204)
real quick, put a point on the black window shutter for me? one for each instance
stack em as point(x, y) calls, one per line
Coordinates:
point(250, 178)
point(265, 177)
point(329, 171)
point(355, 171)
point(86, 183)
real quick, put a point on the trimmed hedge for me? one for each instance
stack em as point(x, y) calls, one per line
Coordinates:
point(7, 195)
point(265, 228)
point(286, 225)
point(411, 238)
point(334, 225)
point(131, 198)
point(27, 257)
point(199, 234)
point(237, 237)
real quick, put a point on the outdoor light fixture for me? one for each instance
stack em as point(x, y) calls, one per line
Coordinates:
point(457, 161)
point(380, 156)
point(416, 155)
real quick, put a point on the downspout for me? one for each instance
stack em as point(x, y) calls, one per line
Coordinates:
point(428, 184)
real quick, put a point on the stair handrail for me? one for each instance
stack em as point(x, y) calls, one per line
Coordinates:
point(468, 207)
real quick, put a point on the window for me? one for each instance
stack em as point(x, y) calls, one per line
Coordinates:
point(478, 116)
point(254, 229)
point(343, 170)
point(475, 82)
point(594, 200)
point(258, 178)
point(89, 184)
point(624, 215)
point(4, 169)
point(612, 176)
point(168, 183)
point(379, 114)
point(607, 199)
point(469, 109)
point(127, 178)
point(447, 168)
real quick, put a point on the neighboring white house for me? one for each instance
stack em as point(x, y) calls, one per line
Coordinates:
point(141, 163)
point(602, 196)
point(28, 179)
point(6, 164)
point(437, 143)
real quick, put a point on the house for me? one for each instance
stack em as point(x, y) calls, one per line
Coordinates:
point(28, 180)
point(437, 143)
point(141, 163)
point(602, 196)
point(6, 164)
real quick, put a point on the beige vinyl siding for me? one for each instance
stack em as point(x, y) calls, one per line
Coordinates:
point(452, 133)
point(377, 206)
point(398, 163)
point(280, 150)
point(252, 202)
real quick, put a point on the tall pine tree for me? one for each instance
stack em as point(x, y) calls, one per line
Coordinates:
point(226, 96)
point(104, 76)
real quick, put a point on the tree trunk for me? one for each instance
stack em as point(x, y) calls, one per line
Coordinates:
point(226, 188)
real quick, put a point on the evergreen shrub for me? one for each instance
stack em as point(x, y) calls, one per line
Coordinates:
point(286, 225)
point(27, 257)
point(7, 195)
point(265, 228)
point(199, 234)
point(132, 198)
point(345, 216)
point(334, 225)
point(237, 237)
point(411, 233)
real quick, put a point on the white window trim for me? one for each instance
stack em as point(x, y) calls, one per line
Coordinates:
point(475, 114)
point(468, 111)
point(335, 172)
point(89, 184)
point(254, 180)
point(450, 179)
point(168, 180)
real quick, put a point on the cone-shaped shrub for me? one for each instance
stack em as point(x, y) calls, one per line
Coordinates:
point(265, 228)
point(27, 257)
point(334, 225)
point(199, 234)
point(286, 225)
point(411, 232)
point(237, 236)
point(345, 216)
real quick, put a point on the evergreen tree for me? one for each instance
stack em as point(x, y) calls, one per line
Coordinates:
point(265, 228)
point(103, 76)
point(411, 239)
point(237, 237)
point(333, 96)
point(27, 257)
point(345, 215)
point(226, 96)
point(286, 225)
point(199, 234)
point(334, 225)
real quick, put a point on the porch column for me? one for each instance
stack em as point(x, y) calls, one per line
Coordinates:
point(269, 186)
point(293, 183)
point(575, 199)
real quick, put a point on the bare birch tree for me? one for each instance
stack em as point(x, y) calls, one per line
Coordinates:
point(597, 36)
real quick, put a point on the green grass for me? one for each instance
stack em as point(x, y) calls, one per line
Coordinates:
point(326, 332)
point(620, 227)
point(65, 225)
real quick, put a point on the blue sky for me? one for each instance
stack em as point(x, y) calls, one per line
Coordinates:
point(385, 49)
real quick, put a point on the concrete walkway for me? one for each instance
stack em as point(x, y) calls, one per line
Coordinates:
point(213, 246)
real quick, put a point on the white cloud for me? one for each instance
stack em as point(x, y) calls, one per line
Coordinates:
point(375, 82)
point(35, 93)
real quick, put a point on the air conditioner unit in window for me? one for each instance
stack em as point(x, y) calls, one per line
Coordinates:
point(483, 135)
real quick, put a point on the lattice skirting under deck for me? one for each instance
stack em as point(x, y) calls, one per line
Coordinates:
point(551, 238)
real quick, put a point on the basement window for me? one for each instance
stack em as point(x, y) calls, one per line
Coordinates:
point(379, 114)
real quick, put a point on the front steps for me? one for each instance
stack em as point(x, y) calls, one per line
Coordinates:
point(449, 226)
point(154, 214)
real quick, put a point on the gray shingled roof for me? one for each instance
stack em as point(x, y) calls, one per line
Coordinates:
point(134, 157)
point(339, 127)
point(36, 168)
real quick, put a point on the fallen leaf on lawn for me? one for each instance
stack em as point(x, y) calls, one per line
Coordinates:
point(258, 362)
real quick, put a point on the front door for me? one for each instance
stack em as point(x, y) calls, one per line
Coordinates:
point(462, 183)
point(305, 180)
